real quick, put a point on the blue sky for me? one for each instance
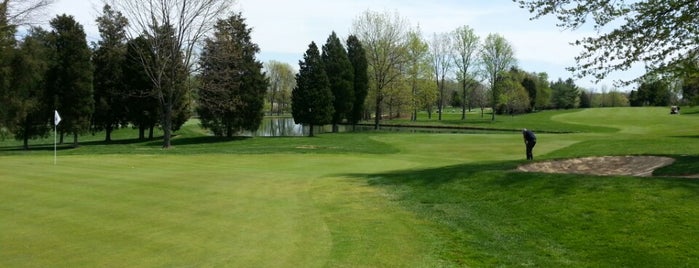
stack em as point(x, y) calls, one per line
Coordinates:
point(283, 29)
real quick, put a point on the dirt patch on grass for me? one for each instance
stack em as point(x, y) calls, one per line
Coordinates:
point(642, 166)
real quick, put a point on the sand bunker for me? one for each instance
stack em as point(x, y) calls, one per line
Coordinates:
point(642, 166)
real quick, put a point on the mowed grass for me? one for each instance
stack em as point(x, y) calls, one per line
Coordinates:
point(357, 199)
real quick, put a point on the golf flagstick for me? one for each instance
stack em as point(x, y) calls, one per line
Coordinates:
point(56, 120)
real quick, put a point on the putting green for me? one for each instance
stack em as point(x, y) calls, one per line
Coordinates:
point(203, 210)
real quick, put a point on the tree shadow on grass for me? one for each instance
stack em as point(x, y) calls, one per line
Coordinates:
point(434, 176)
point(184, 141)
point(502, 176)
point(37, 148)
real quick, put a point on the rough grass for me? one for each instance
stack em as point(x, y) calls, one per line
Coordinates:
point(356, 199)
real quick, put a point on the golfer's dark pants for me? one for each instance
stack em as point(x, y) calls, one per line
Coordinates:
point(530, 146)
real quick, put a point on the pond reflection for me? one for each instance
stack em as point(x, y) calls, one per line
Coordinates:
point(285, 127)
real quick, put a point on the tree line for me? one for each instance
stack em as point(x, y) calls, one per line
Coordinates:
point(144, 81)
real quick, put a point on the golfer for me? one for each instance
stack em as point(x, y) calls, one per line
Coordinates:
point(529, 142)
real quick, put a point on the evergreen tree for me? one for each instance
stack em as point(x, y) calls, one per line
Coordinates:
point(565, 94)
point(357, 57)
point(529, 83)
point(312, 100)
point(142, 106)
point(232, 91)
point(7, 44)
point(109, 95)
point(341, 76)
point(70, 77)
point(585, 99)
point(27, 109)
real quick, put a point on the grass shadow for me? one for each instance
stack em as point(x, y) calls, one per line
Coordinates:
point(201, 140)
point(37, 148)
point(434, 176)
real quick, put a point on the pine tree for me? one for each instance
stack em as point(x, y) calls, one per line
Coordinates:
point(110, 95)
point(70, 77)
point(233, 86)
point(312, 100)
point(27, 108)
point(7, 44)
point(357, 57)
point(341, 76)
point(141, 104)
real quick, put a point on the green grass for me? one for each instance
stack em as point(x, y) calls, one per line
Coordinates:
point(357, 199)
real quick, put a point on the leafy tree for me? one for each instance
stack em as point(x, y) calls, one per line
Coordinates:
point(397, 99)
point(7, 45)
point(497, 56)
point(465, 45)
point(358, 58)
point(383, 37)
point(282, 80)
point(231, 97)
point(543, 92)
point(142, 105)
point(660, 34)
point(565, 94)
point(585, 99)
point(312, 99)
point(513, 98)
point(70, 77)
point(529, 84)
point(108, 59)
point(480, 98)
point(440, 49)
point(690, 89)
point(26, 106)
point(652, 93)
point(418, 69)
point(341, 76)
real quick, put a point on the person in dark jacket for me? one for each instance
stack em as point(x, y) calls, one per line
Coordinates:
point(529, 142)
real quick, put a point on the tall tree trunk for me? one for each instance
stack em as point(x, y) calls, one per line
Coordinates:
point(75, 139)
point(108, 133)
point(150, 132)
point(271, 102)
point(167, 124)
point(310, 130)
point(439, 101)
point(377, 118)
point(61, 138)
point(463, 102)
point(141, 132)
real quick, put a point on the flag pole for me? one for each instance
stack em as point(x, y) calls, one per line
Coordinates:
point(55, 128)
point(56, 120)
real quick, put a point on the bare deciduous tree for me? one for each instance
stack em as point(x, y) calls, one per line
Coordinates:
point(440, 49)
point(23, 12)
point(186, 22)
point(497, 56)
point(383, 36)
point(466, 44)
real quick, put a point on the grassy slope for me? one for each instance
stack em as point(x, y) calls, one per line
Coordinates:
point(431, 200)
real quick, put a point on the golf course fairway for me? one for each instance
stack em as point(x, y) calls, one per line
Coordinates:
point(370, 199)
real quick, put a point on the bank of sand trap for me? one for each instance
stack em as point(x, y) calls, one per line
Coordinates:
point(642, 166)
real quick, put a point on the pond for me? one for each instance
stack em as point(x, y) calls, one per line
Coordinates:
point(285, 127)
